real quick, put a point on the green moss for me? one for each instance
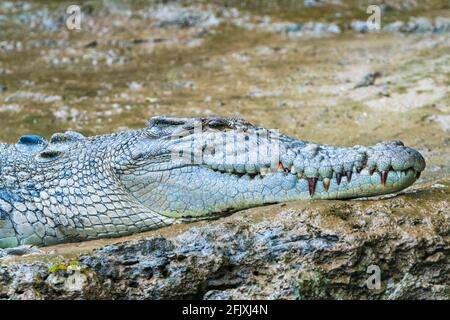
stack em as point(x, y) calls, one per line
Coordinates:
point(60, 264)
point(57, 267)
point(312, 285)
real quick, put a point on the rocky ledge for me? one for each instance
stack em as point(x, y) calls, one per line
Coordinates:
point(303, 250)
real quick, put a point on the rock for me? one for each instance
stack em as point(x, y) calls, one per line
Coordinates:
point(66, 113)
point(182, 17)
point(368, 80)
point(34, 96)
point(442, 120)
point(11, 108)
point(21, 251)
point(10, 46)
point(319, 29)
point(291, 29)
point(419, 25)
point(359, 26)
point(314, 29)
point(442, 24)
point(135, 86)
point(184, 84)
point(301, 250)
point(41, 19)
point(48, 43)
point(113, 59)
point(384, 92)
point(241, 57)
point(311, 3)
point(92, 44)
point(416, 25)
point(396, 26)
point(267, 51)
point(258, 93)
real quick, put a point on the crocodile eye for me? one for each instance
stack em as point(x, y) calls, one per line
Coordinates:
point(218, 123)
point(224, 124)
point(189, 127)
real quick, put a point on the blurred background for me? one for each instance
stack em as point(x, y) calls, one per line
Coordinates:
point(312, 69)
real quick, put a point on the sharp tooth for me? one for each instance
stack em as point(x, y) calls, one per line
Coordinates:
point(240, 168)
point(250, 168)
point(280, 167)
point(312, 185)
point(371, 171)
point(264, 171)
point(349, 176)
point(293, 171)
point(338, 178)
point(383, 176)
point(326, 183)
point(271, 170)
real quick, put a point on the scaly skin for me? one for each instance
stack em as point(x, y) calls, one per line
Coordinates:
point(75, 188)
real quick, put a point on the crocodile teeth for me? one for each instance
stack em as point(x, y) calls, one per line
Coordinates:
point(326, 184)
point(384, 175)
point(263, 171)
point(312, 185)
point(272, 170)
point(338, 178)
point(349, 176)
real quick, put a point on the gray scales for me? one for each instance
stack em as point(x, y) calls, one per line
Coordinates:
point(75, 188)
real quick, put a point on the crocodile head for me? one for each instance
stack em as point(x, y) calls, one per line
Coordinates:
point(193, 168)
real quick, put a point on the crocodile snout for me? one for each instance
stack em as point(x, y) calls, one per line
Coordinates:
point(394, 156)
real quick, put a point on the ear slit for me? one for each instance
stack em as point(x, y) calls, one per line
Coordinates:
point(50, 154)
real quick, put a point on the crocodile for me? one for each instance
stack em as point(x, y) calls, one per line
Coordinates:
point(74, 188)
